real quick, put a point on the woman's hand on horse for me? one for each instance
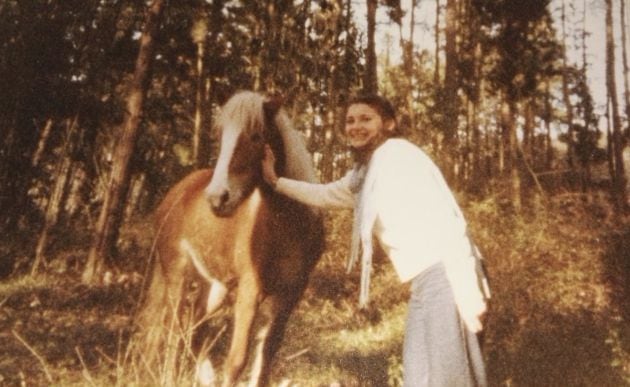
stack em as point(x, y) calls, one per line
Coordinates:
point(268, 167)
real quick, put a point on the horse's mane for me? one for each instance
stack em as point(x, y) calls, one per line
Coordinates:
point(245, 109)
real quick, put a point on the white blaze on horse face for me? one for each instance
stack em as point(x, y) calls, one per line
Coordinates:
point(219, 183)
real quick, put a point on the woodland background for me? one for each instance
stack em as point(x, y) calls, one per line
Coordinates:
point(105, 104)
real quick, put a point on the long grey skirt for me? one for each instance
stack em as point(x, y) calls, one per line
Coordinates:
point(438, 350)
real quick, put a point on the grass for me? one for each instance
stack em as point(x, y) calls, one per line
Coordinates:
point(559, 314)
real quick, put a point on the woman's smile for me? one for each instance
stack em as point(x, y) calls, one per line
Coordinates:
point(363, 124)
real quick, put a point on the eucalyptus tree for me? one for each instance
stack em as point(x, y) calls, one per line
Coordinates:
point(524, 52)
point(110, 216)
point(618, 169)
point(56, 55)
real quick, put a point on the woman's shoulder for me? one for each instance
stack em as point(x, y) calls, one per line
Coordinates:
point(399, 148)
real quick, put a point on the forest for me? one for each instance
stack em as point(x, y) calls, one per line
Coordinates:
point(106, 104)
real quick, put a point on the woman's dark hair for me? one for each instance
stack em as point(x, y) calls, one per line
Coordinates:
point(380, 104)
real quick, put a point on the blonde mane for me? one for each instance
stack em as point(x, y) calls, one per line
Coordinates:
point(245, 110)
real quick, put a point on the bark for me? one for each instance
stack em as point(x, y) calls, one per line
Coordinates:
point(566, 97)
point(436, 70)
point(198, 34)
point(370, 81)
point(55, 201)
point(43, 140)
point(618, 177)
point(409, 73)
point(548, 142)
point(451, 102)
point(110, 217)
point(624, 56)
point(510, 141)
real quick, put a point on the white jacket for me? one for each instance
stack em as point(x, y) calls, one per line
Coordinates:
point(408, 206)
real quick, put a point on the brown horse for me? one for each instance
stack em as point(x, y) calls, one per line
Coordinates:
point(230, 231)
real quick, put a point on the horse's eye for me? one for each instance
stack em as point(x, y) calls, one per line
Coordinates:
point(256, 137)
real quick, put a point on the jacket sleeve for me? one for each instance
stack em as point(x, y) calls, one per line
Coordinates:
point(336, 194)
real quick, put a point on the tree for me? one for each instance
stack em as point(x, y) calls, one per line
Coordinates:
point(524, 52)
point(450, 101)
point(370, 80)
point(565, 93)
point(112, 209)
point(618, 171)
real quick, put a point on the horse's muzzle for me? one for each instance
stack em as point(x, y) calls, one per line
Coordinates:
point(220, 203)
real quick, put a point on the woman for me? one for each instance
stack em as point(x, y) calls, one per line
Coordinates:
point(400, 196)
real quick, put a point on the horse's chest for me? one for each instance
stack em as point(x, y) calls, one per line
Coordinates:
point(231, 245)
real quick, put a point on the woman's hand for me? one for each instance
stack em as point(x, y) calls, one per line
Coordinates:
point(268, 167)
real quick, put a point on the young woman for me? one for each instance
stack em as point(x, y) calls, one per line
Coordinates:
point(400, 196)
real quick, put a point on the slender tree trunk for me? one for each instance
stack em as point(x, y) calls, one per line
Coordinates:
point(624, 56)
point(548, 142)
point(110, 217)
point(436, 71)
point(477, 173)
point(198, 34)
point(451, 102)
point(43, 140)
point(409, 73)
point(619, 177)
point(566, 97)
point(508, 117)
point(586, 161)
point(62, 173)
point(370, 82)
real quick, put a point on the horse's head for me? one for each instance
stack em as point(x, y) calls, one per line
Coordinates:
point(246, 123)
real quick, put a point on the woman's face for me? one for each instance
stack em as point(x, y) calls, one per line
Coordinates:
point(364, 124)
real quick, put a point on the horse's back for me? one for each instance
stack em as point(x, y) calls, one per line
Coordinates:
point(180, 196)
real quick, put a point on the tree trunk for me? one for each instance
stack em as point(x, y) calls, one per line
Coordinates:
point(110, 217)
point(477, 173)
point(409, 64)
point(436, 70)
point(198, 34)
point(508, 118)
point(62, 172)
point(619, 177)
point(43, 140)
point(548, 142)
point(624, 56)
point(451, 102)
point(566, 97)
point(370, 81)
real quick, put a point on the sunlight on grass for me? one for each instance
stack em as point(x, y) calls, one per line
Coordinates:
point(558, 314)
point(24, 283)
point(371, 338)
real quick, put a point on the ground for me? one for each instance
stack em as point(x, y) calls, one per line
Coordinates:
point(558, 317)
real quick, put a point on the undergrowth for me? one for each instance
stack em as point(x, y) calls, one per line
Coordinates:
point(558, 316)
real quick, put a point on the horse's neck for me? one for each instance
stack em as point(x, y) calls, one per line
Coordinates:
point(298, 162)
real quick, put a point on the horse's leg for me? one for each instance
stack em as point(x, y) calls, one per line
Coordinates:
point(245, 307)
point(149, 320)
point(217, 290)
point(278, 310)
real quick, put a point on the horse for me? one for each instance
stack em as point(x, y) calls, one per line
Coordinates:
point(231, 232)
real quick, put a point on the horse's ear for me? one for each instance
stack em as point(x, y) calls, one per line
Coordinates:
point(272, 104)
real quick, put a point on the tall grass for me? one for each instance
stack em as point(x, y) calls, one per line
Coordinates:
point(559, 314)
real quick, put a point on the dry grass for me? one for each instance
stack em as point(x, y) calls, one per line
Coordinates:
point(559, 316)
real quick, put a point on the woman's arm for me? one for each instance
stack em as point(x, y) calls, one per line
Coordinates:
point(332, 195)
